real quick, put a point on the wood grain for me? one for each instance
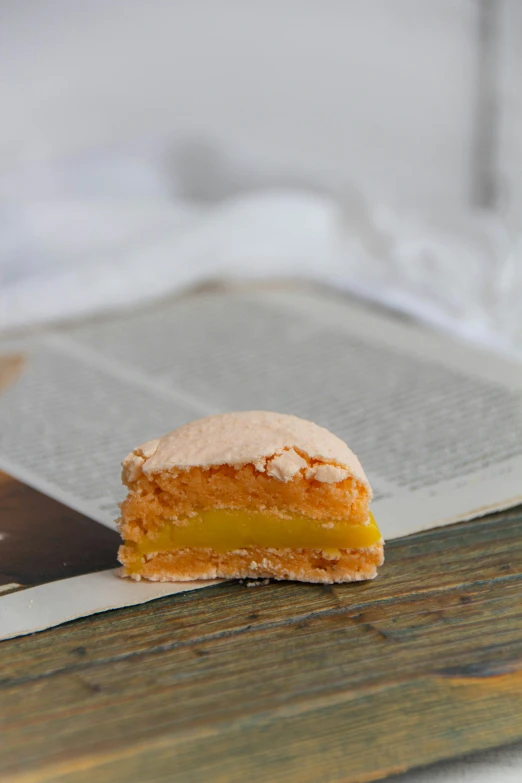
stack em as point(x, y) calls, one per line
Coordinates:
point(283, 682)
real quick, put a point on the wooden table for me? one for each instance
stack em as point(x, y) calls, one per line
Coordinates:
point(283, 682)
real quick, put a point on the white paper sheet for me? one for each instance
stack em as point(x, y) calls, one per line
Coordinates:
point(438, 426)
point(38, 608)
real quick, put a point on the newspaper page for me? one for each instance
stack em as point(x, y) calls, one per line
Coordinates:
point(436, 424)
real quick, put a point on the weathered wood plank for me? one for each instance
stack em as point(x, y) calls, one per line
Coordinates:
point(329, 742)
point(359, 653)
point(284, 682)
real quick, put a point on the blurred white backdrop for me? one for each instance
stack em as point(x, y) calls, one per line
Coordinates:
point(334, 91)
point(412, 107)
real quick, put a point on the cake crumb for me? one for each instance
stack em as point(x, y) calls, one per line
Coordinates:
point(257, 582)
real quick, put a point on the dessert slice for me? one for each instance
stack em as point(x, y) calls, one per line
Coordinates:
point(251, 494)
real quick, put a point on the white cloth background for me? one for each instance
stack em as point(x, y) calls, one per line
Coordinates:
point(316, 97)
point(111, 230)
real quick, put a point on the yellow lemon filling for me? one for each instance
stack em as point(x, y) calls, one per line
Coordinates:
point(225, 530)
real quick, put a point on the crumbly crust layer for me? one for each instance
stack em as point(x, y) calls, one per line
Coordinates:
point(305, 565)
point(275, 443)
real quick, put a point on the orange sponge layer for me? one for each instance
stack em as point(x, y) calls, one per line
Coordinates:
point(305, 565)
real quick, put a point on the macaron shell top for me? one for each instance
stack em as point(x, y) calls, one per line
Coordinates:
point(280, 445)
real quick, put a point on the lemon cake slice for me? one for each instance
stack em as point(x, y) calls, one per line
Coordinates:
point(251, 494)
